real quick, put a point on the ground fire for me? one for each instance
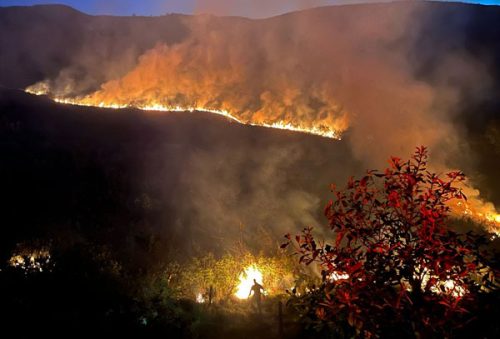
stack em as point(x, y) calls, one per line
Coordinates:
point(247, 280)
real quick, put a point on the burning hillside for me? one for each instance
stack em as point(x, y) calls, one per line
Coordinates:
point(322, 130)
point(475, 209)
point(335, 75)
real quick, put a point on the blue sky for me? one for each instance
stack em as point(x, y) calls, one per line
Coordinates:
point(159, 7)
point(116, 7)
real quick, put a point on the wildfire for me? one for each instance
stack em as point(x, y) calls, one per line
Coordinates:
point(200, 299)
point(334, 276)
point(89, 101)
point(32, 260)
point(246, 281)
point(493, 218)
point(450, 287)
point(474, 208)
point(321, 131)
point(481, 212)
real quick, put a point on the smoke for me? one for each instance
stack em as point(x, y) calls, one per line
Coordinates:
point(236, 194)
point(232, 185)
point(316, 69)
point(346, 69)
point(266, 8)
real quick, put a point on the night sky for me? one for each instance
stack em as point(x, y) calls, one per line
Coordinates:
point(160, 7)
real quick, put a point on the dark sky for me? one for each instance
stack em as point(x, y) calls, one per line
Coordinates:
point(251, 8)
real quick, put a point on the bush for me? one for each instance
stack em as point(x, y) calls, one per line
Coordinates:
point(393, 266)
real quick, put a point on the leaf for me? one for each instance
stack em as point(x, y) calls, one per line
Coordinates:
point(355, 267)
point(284, 245)
point(340, 236)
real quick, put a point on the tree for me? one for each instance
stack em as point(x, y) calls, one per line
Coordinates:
point(393, 262)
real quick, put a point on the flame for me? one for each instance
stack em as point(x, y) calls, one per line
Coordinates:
point(199, 298)
point(110, 97)
point(91, 101)
point(480, 212)
point(32, 260)
point(321, 131)
point(246, 281)
point(450, 287)
point(40, 88)
point(493, 218)
point(334, 276)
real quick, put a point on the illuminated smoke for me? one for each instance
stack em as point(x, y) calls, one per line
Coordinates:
point(329, 70)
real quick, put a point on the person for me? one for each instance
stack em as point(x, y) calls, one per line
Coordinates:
point(211, 294)
point(257, 294)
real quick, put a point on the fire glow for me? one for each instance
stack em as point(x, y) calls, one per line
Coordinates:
point(153, 106)
point(475, 208)
point(199, 298)
point(246, 281)
point(483, 213)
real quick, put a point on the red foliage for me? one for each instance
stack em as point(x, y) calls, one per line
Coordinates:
point(393, 258)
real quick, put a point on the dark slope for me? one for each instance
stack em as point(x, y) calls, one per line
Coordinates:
point(117, 174)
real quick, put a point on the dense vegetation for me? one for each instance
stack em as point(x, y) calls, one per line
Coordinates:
point(394, 266)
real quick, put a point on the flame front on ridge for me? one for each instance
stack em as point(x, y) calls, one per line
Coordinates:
point(87, 101)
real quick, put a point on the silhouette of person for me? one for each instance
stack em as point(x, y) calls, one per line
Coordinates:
point(257, 295)
point(211, 294)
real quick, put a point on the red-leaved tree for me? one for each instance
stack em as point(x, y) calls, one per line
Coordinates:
point(392, 261)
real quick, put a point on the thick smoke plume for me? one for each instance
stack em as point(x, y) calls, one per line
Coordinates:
point(347, 69)
point(317, 68)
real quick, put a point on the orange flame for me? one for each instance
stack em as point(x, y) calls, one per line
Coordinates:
point(480, 212)
point(319, 130)
point(246, 281)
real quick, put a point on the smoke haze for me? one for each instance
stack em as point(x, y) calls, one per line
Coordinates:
point(317, 68)
point(263, 8)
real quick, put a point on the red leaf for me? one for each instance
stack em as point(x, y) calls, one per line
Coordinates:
point(340, 236)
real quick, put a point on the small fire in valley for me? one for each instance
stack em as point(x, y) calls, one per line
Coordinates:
point(200, 299)
point(247, 280)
